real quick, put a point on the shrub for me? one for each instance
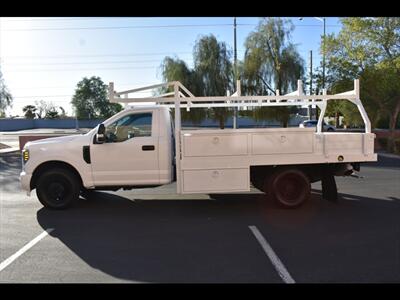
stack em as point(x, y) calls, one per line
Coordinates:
point(383, 142)
point(396, 146)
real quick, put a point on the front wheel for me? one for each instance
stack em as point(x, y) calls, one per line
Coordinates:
point(57, 188)
point(289, 187)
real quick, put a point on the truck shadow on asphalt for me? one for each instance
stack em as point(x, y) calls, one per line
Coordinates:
point(192, 241)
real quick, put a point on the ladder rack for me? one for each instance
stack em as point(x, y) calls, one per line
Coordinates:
point(181, 97)
point(178, 99)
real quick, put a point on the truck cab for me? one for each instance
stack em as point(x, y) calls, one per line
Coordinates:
point(134, 151)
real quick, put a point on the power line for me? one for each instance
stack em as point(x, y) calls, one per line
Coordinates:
point(91, 69)
point(120, 27)
point(95, 55)
point(44, 96)
point(103, 55)
point(54, 96)
point(69, 87)
point(147, 27)
point(296, 25)
point(58, 96)
point(84, 63)
point(66, 19)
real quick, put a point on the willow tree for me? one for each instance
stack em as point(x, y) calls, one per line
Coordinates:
point(271, 63)
point(213, 66)
point(174, 69)
point(212, 75)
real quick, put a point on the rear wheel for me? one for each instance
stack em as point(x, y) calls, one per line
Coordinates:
point(57, 188)
point(288, 187)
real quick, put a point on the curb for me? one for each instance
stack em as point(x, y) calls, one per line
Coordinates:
point(389, 155)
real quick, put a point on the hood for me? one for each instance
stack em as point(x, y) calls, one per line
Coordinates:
point(53, 140)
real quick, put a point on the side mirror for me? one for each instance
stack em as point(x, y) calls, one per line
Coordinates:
point(131, 134)
point(100, 135)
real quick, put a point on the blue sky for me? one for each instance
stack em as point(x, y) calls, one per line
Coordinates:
point(44, 58)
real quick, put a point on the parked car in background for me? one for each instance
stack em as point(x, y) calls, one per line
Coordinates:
point(313, 123)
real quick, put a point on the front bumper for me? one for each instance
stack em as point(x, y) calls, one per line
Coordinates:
point(25, 180)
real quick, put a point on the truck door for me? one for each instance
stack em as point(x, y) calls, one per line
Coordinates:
point(130, 154)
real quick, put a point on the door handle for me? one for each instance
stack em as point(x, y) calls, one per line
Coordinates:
point(148, 148)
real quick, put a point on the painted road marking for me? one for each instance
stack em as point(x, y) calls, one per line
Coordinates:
point(21, 251)
point(278, 265)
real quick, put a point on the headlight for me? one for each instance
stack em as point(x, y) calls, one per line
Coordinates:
point(25, 155)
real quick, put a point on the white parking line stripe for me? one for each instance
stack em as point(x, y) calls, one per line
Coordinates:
point(25, 248)
point(282, 271)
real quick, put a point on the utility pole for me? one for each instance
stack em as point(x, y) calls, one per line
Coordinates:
point(235, 70)
point(311, 90)
point(234, 45)
point(76, 120)
point(323, 48)
point(323, 58)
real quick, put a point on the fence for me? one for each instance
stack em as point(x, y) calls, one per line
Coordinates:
point(23, 124)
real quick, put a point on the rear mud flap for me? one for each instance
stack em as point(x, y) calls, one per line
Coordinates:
point(329, 188)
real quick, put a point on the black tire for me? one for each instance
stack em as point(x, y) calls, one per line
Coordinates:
point(289, 187)
point(330, 129)
point(58, 188)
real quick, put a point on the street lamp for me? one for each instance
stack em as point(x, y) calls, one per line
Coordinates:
point(323, 52)
point(323, 49)
point(235, 109)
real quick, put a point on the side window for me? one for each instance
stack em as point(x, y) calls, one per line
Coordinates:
point(134, 125)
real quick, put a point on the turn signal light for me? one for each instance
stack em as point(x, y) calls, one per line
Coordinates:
point(25, 155)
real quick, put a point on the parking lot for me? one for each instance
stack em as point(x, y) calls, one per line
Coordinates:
point(155, 236)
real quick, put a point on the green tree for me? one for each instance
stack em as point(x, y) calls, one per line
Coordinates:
point(5, 96)
point(213, 69)
point(212, 76)
point(90, 100)
point(174, 69)
point(52, 113)
point(62, 114)
point(29, 111)
point(271, 63)
point(367, 48)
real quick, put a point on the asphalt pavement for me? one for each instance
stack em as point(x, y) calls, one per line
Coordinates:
point(153, 235)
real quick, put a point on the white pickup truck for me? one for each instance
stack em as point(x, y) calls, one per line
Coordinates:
point(145, 146)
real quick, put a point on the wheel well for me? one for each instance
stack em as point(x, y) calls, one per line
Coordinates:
point(259, 173)
point(51, 165)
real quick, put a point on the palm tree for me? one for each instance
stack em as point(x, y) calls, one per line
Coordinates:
point(29, 111)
